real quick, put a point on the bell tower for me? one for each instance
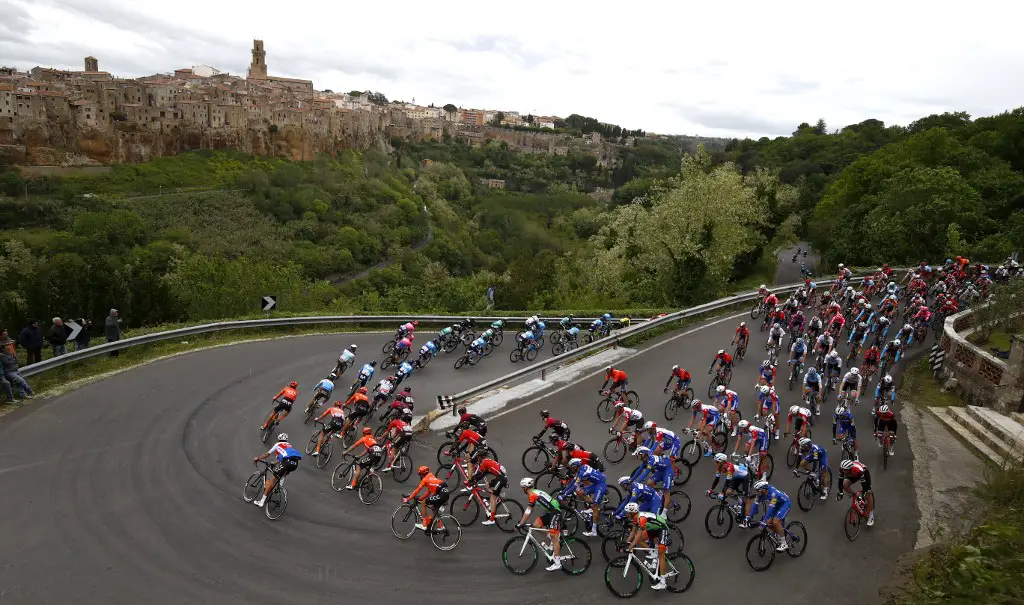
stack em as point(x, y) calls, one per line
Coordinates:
point(258, 67)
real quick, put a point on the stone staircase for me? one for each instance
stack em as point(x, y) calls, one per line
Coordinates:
point(990, 434)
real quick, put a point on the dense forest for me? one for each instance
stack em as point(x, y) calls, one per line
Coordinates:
point(203, 235)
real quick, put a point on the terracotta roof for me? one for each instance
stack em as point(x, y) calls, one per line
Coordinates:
point(31, 83)
point(6, 87)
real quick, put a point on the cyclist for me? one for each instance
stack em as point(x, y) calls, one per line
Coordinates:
point(382, 391)
point(468, 441)
point(403, 372)
point(833, 365)
point(589, 484)
point(597, 325)
point(682, 379)
point(662, 441)
point(575, 452)
point(728, 401)
point(399, 433)
point(361, 408)
point(852, 471)
point(797, 352)
point(435, 494)
point(801, 424)
point(653, 527)
point(766, 375)
point(473, 421)
point(724, 361)
point(364, 376)
point(710, 417)
point(812, 384)
point(322, 391)
point(406, 329)
point(835, 325)
point(618, 379)
point(347, 357)
point(639, 493)
point(559, 428)
point(770, 300)
point(796, 323)
point(778, 315)
point(851, 382)
point(532, 322)
point(742, 336)
point(769, 407)
point(844, 273)
point(403, 400)
point(737, 481)
point(871, 358)
point(886, 388)
point(287, 461)
point(488, 466)
point(906, 334)
point(654, 469)
point(757, 436)
point(427, 353)
point(629, 417)
point(282, 404)
point(777, 508)
point(566, 322)
point(372, 453)
point(843, 426)
point(551, 517)
point(444, 334)
point(824, 344)
point(336, 423)
point(814, 459)
point(885, 424)
point(498, 325)
point(476, 347)
point(892, 351)
point(814, 328)
point(775, 337)
point(527, 340)
point(858, 334)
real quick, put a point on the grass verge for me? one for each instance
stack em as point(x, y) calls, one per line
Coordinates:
point(926, 392)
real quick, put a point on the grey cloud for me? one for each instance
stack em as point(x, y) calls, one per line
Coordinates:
point(728, 119)
point(791, 85)
point(502, 45)
point(16, 23)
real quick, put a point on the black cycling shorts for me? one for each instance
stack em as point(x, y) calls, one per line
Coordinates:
point(865, 481)
point(334, 425)
point(368, 460)
point(482, 429)
point(637, 422)
point(283, 405)
point(887, 424)
point(286, 466)
point(596, 463)
point(552, 519)
point(361, 410)
point(798, 423)
point(658, 535)
point(439, 497)
point(499, 483)
point(400, 441)
point(740, 485)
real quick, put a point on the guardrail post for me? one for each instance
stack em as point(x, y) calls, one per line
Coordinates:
point(544, 374)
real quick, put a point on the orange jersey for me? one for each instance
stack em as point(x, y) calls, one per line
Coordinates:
point(367, 441)
point(335, 411)
point(429, 483)
point(356, 398)
point(615, 376)
point(288, 394)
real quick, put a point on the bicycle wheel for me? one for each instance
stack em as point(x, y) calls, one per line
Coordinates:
point(450, 475)
point(885, 454)
point(685, 574)
point(681, 473)
point(767, 467)
point(718, 442)
point(678, 506)
point(713, 386)
point(536, 459)
point(516, 355)
point(254, 486)
point(388, 347)
point(615, 450)
point(606, 409)
point(755, 311)
point(557, 348)
point(632, 398)
point(792, 456)
point(465, 508)
point(676, 541)
point(497, 338)
point(313, 440)
point(796, 535)
point(445, 532)
point(571, 523)
point(276, 502)
point(507, 514)
point(691, 453)
point(519, 555)
point(370, 488)
point(851, 524)
point(612, 497)
point(387, 362)
point(444, 453)
point(461, 361)
point(624, 581)
point(473, 359)
point(325, 454)
point(718, 521)
point(760, 552)
point(671, 408)
point(531, 354)
point(266, 432)
point(806, 495)
point(404, 520)
point(575, 555)
point(401, 468)
point(341, 476)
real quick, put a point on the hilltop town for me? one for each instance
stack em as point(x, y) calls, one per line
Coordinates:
point(58, 117)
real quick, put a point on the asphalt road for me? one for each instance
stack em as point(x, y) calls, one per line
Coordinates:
point(788, 272)
point(130, 489)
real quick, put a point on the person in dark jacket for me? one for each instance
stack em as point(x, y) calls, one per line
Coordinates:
point(112, 328)
point(82, 340)
point(31, 337)
point(9, 366)
point(57, 336)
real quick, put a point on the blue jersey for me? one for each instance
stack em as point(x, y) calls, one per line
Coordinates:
point(405, 369)
point(658, 468)
point(431, 347)
point(774, 497)
point(284, 450)
point(586, 474)
point(644, 495)
point(325, 385)
point(767, 374)
point(366, 372)
point(527, 336)
point(479, 343)
point(596, 324)
point(817, 454)
point(573, 331)
point(799, 348)
point(812, 380)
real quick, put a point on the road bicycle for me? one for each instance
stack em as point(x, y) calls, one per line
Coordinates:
point(761, 548)
point(527, 352)
point(606, 407)
point(389, 346)
point(729, 510)
point(370, 485)
point(577, 513)
point(813, 487)
point(468, 358)
point(773, 354)
point(444, 530)
point(269, 430)
point(722, 377)
point(319, 398)
point(795, 374)
point(256, 485)
point(538, 456)
point(741, 349)
point(421, 361)
point(694, 449)
point(624, 576)
point(568, 343)
point(681, 398)
point(394, 358)
point(521, 553)
point(793, 455)
point(466, 507)
point(325, 450)
point(887, 444)
point(857, 514)
point(401, 466)
point(615, 543)
point(342, 366)
point(618, 446)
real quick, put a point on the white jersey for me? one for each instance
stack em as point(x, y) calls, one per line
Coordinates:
point(632, 414)
point(815, 322)
point(424, 350)
point(384, 387)
point(777, 333)
point(661, 433)
point(346, 355)
point(835, 361)
point(851, 378)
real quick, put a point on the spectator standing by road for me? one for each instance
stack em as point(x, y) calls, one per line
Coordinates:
point(112, 329)
point(82, 340)
point(31, 337)
point(57, 336)
point(9, 364)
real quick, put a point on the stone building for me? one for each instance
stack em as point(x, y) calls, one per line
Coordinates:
point(258, 71)
point(91, 64)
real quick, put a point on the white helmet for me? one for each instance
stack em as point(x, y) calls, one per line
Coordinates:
point(765, 390)
point(632, 508)
point(352, 347)
point(721, 351)
point(883, 410)
point(855, 371)
point(841, 265)
point(720, 389)
point(846, 465)
point(720, 457)
point(643, 451)
point(763, 287)
point(896, 342)
point(760, 485)
point(282, 437)
point(648, 425)
point(526, 482)
point(908, 327)
point(794, 409)
point(805, 443)
point(742, 425)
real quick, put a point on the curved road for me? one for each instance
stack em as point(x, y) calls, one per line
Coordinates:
point(788, 272)
point(131, 488)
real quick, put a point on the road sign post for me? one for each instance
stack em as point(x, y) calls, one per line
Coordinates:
point(268, 302)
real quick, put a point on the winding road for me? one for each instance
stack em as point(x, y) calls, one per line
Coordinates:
point(787, 271)
point(128, 490)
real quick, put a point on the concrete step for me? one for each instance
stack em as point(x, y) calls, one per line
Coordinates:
point(965, 436)
point(1018, 417)
point(981, 433)
point(1009, 431)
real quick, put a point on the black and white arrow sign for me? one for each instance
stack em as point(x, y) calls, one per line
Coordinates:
point(268, 302)
point(75, 328)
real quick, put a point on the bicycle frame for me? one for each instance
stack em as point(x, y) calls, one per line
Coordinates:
point(644, 562)
point(540, 545)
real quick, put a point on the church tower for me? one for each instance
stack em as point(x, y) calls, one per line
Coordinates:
point(258, 67)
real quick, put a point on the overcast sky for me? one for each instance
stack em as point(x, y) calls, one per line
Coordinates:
point(739, 68)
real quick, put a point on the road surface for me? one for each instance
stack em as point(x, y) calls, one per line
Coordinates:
point(131, 488)
point(788, 272)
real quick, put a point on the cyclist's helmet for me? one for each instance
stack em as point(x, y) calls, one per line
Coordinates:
point(332, 376)
point(415, 322)
point(406, 415)
point(887, 379)
point(908, 327)
point(367, 430)
point(720, 457)
point(743, 424)
point(575, 462)
point(625, 480)
point(674, 368)
point(643, 451)
point(525, 482)
point(422, 471)
point(883, 320)
point(293, 384)
point(855, 371)
point(846, 465)
point(743, 324)
point(720, 389)
point(352, 348)
point(777, 325)
point(883, 409)
point(862, 325)
point(478, 455)
point(794, 409)
point(650, 425)
point(407, 390)
point(766, 363)
point(373, 363)
point(765, 390)
point(760, 486)
point(697, 405)
point(544, 414)
point(763, 287)
point(362, 390)
point(282, 437)
point(800, 340)
point(812, 373)
point(632, 508)
point(805, 443)
point(721, 351)
point(391, 378)
point(462, 410)
point(553, 439)
point(841, 265)
point(610, 369)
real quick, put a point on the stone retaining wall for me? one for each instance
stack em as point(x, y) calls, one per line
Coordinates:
point(980, 377)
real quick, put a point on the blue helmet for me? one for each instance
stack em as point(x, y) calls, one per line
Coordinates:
point(606, 316)
point(812, 373)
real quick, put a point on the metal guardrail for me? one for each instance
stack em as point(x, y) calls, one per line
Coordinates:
point(126, 343)
point(448, 401)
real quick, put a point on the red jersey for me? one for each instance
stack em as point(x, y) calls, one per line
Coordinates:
point(491, 466)
point(856, 471)
point(743, 332)
point(681, 374)
point(288, 394)
point(583, 455)
point(725, 357)
point(470, 436)
point(615, 376)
